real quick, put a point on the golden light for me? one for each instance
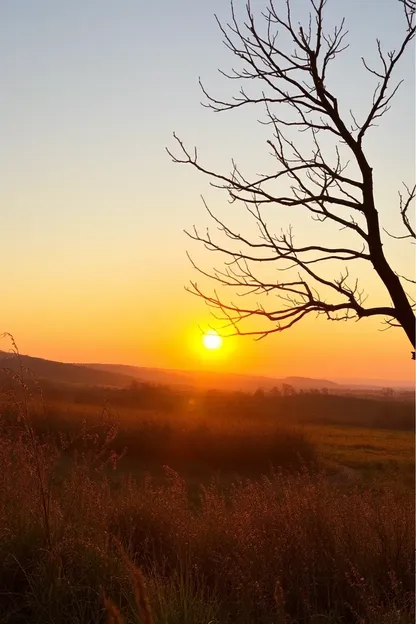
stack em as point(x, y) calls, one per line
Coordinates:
point(212, 340)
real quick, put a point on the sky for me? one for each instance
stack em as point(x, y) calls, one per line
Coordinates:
point(92, 248)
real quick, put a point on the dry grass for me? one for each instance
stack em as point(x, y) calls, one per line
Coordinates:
point(290, 547)
point(340, 554)
point(373, 452)
point(196, 445)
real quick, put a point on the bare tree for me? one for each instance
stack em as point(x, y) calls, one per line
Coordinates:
point(338, 189)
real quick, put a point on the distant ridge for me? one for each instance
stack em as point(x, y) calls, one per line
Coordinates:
point(61, 372)
point(214, 380)
point(121, 375)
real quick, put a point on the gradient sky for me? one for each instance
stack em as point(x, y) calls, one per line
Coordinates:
point(92, 248)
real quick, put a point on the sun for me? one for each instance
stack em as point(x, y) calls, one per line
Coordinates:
point(212, 340)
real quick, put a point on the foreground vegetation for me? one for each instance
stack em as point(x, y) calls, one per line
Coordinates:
point(202, 433)
point(261, 530)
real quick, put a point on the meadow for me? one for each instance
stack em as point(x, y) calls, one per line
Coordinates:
point(150, 504)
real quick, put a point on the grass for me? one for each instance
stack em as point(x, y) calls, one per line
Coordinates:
point(341, 554)
point(371, 451)
point(257, 532)
point(199, 447)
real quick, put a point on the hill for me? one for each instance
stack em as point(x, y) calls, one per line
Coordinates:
point(208, 379)
point(119, 375)
point(60, 372)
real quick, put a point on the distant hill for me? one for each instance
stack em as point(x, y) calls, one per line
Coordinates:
point(119, 375)
point(205, 379)
point(60, 372)
point(122, 376)
point(147, 375)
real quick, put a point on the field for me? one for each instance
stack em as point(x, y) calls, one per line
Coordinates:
point(370, 452)
point(148, 504)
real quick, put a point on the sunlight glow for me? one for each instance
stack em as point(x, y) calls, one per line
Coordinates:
point(212, 340)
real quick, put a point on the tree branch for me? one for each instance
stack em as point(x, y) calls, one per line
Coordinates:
point(296, 97)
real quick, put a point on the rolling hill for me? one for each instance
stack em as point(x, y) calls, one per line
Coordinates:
point(60, 372)
point(119, 375)
point(205, 379)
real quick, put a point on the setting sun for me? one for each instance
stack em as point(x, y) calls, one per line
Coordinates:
point(212, 340)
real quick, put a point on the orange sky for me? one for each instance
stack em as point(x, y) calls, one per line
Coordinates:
point(93, 211)
point(121, 333)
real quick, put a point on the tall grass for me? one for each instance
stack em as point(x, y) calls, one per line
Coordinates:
point(343, 555)
point(289, 547)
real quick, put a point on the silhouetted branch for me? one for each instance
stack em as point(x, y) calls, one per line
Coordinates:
point(293, 91)
point(305, 303)
point(404, 207)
